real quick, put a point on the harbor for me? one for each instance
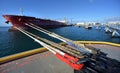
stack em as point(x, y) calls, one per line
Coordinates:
point(15, 42)
point(80, 51)
point(50, 36)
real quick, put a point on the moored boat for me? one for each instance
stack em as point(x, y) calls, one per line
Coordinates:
point(19, 21)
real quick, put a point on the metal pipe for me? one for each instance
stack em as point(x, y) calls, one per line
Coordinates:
point(69, 42)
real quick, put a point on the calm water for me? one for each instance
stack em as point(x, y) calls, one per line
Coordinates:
point(15, 42)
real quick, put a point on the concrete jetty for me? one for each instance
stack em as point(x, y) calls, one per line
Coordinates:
point(46, 62)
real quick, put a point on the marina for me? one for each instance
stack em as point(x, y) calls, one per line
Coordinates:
point(113, 29)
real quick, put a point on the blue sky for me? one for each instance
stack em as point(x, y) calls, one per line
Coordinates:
point(77, 10)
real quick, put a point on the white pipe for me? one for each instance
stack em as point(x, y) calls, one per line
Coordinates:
point(43, 44)
point(53, 35)
point(60, 52)
point(37, 29)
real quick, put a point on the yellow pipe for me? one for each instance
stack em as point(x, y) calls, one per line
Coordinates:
point(98, 42)
point(21, 55)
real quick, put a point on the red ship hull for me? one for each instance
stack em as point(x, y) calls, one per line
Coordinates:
point(20, 21)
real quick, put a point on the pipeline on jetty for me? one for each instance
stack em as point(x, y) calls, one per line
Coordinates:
point(80, 47)
point(78, 56)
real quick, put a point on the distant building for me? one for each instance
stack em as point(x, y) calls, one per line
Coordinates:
point(62, 21)
point(80, 24)
point(90, 23)
point(113, 22)
point(85, 23)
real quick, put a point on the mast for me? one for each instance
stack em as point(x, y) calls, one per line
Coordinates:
point(21, 12)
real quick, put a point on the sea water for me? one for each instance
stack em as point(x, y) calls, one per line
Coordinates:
point(16, 42)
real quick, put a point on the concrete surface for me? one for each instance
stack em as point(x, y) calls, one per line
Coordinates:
point(112, 51)
point(44, 62)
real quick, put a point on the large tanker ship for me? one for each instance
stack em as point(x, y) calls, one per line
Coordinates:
point(19, 21)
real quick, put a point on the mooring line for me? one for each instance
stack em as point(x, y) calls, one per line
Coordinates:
point(70, 60)
point(68, 41)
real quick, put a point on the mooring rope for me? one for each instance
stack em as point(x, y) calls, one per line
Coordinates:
point(70, 60)
point(70, 51)
point(80, 47)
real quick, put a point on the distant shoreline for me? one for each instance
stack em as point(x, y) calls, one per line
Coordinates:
point(5, 26)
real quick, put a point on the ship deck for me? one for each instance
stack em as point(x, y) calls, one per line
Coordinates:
point(46, 62)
